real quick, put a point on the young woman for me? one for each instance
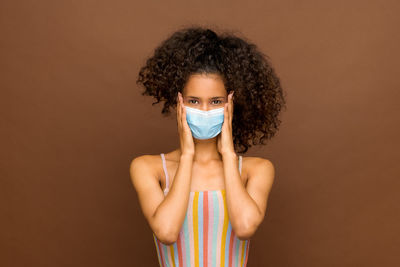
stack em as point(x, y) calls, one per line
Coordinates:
point(202, 200)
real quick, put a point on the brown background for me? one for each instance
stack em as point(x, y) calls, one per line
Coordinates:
point(72, 119)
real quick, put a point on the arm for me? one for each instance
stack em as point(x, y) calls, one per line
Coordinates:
point(165, 215)
point(247, 206)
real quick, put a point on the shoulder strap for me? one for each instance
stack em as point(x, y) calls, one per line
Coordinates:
point(165, 171)
point(240, 164)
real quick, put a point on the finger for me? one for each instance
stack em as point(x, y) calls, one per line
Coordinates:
point(184, 117)
point(233, 103)
point(183, 112)
point(226, 113)
point(178, 111)
point(181, 109)
point(230, 106)
point(227, 108)
point(184, 121)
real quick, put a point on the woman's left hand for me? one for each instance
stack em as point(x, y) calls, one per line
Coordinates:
point(225, 139)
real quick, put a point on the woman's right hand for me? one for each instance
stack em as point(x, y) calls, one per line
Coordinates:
point(185, 134)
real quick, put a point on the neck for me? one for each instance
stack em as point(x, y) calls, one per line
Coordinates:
point(205, 150)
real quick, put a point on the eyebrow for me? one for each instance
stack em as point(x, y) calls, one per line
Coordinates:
point(210, 97)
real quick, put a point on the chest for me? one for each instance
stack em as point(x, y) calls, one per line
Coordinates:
point(203, 177)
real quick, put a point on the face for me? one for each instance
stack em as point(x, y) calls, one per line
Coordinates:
point(204, 92)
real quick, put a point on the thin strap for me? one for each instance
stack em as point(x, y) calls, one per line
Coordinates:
point(240, 164)
point(165, 171)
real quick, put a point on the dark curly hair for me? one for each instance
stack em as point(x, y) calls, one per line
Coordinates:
point(259, 97)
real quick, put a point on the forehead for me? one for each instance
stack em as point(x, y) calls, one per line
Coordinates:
point(204, 86)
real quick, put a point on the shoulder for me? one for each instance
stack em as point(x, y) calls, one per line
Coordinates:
point(142, 160)
point(258, 165)
point(148, 163)
point(252, 162)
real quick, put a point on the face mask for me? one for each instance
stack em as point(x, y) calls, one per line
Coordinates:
point(205, 124)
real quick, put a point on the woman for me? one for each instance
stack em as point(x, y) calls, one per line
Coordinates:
point(202, 200)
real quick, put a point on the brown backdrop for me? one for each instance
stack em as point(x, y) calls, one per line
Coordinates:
point(72, 119)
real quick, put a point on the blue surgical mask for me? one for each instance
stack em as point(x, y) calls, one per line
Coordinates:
point(205, 124)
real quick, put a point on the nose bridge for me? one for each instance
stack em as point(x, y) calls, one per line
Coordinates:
point(205, 106)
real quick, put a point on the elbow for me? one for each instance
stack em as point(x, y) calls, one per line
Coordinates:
point(245, 235)
point(166, 237)
point(167, 240)
point(247, 230)
point(164, 233)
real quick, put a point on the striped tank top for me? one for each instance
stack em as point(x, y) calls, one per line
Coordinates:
point(206, 238)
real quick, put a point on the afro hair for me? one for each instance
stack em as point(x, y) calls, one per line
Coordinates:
point(243, 68)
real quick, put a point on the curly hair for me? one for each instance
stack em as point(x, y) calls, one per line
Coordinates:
point(259, 97)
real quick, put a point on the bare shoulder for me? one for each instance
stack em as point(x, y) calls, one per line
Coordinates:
point(255, 165)
point(143, 161)
point(144, 164)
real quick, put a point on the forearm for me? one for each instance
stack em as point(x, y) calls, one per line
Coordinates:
point(242, 209)
point(171, 213)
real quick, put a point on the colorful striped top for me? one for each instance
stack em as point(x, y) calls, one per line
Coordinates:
point(206, 238)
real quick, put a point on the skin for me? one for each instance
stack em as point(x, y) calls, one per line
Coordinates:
point(200, 165)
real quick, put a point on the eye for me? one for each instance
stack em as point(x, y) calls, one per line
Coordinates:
point(191, 100)
point(218, 100)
